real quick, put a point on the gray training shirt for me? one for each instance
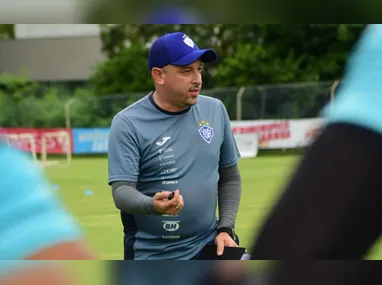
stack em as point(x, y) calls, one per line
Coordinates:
point(162, 150)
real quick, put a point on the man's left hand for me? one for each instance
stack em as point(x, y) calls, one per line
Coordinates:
point(222, 240)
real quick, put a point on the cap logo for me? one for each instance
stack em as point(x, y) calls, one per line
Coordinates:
point(188, 41)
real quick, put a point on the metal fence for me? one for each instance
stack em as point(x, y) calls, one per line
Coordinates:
point(282, 101)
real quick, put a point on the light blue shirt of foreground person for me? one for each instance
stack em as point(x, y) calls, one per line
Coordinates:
point(359, 100)
point(31, 216)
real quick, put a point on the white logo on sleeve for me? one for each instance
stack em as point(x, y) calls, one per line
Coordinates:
point(163, 141)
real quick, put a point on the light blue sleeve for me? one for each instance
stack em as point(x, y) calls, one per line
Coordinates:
point(31, 216)
point(359, 101)
point(229, 152)
point(123, 151)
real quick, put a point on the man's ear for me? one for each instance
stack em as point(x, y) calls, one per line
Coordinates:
point(157, 75)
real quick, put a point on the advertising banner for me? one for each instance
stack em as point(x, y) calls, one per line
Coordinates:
point(280, 134)
point(57, 140)
point(90, 140)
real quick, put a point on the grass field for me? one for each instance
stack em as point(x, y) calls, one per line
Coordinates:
point(262, 180)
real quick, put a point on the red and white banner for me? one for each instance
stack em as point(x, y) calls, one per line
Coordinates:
point(250, 135)
point(280, 134)
point(21, 138)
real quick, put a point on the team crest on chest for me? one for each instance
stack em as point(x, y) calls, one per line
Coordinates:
point(206, 131)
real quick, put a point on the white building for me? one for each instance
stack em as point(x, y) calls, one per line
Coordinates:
point(52, 52)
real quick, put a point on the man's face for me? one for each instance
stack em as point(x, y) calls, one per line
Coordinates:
point(183, 83)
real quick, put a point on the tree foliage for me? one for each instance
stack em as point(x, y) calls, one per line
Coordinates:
point(7, 31)
point(248, 54)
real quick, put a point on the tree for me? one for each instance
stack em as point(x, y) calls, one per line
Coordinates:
point(7, 31)
point(289, 53)
point(24, 103)
point(248, 55)
point(119, 40)
point(125, 72)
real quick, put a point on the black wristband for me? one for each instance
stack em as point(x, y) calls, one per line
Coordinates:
point(227, 230)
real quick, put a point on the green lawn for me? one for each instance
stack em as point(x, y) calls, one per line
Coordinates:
point(262, 178)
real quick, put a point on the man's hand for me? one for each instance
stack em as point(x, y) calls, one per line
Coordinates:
point(169, 207)
point(222, 240)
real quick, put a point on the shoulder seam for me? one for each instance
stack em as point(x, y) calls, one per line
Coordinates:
point(133, 105)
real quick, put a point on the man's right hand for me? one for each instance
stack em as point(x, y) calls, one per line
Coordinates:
point(169, 207)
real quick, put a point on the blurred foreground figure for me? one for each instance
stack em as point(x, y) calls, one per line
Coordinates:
point(172, 14)
point(33, 224)
point(332, 207)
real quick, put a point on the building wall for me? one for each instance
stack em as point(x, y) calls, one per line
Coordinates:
point(52, 52)
point(51, 59)
point(44, 31)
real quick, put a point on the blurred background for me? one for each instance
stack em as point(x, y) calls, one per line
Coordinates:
point(61, 85)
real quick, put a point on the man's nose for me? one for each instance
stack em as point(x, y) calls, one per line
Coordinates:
point(197, 79)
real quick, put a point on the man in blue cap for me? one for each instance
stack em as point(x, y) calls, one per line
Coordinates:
point(172, 158)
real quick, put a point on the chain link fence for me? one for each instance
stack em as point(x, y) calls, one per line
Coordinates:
point(82, 109)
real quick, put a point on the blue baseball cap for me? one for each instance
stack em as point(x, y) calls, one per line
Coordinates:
point(177, 49)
